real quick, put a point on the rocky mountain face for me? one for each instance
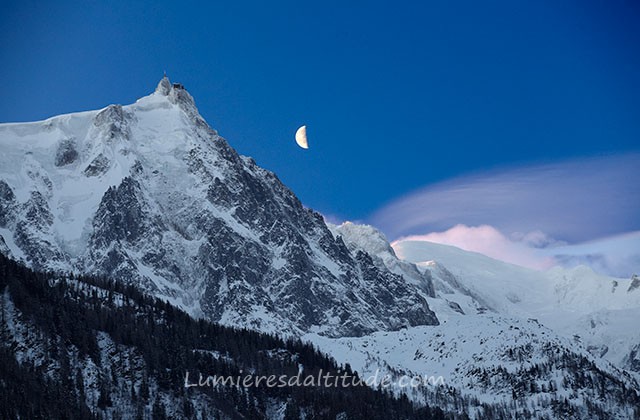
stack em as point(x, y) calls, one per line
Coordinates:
point(512, 342)
point(151, 194)
point(595, 310)
point(111, 352)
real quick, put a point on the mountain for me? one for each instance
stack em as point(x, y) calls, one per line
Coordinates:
point(150, 197)
point(599, 311)
point(511, 342)
point(150, 193)
point(492, 366)
point(87, 348)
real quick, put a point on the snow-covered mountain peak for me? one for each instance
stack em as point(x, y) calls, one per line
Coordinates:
point(575, 301)
point(175, 94)
point(362, 236)
point(149, 193)
point(164, 86)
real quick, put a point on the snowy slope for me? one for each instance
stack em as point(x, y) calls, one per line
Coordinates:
point(150, 194)
point(488, 359)
point(603, 311)
point(499, 324)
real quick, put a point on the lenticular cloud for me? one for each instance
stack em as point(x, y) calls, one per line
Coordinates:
point(574, 201)
point(489, 241)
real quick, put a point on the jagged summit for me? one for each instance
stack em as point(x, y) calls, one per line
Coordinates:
point(149, 193)
point(164, 86)
point(177, 95)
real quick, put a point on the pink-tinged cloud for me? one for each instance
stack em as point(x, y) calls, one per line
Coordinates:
point(491, 242)
point(574, 201)
point(617, 255)
point(574, 212)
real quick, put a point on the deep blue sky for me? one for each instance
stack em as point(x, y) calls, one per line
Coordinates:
point(395, 95)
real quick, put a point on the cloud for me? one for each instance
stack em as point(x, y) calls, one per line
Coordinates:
point(582, 211)
point(617, 256)
point(491, 242)
point(536, 239)
point(575, 201)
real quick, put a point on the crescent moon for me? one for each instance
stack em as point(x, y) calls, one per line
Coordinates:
point(301, 137)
